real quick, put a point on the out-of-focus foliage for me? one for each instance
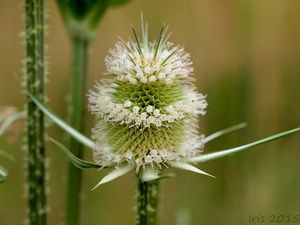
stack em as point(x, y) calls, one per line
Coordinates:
point(82, 17)
point(8, 116)
point(3, 174)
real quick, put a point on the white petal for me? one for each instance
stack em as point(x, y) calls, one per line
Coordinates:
point(115, 174)
point(188, 167)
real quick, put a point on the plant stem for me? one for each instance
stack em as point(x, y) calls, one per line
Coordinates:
point(147, 203)
point(76, 116)
point(34, 76)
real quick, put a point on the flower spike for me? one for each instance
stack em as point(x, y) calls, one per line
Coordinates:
point(147, 110)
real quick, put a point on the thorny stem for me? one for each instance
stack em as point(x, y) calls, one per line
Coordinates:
point(147, 203)
point(76, 115)
point(34, 76)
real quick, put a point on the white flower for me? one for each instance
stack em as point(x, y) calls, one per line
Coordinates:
point(135, 109)
point(156, 112)
point(149, 108)
point(127, 103)
point(152, 78)
point(147, 113)
point(165, 62)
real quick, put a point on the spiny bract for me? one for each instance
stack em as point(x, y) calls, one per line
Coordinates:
point(147, 110)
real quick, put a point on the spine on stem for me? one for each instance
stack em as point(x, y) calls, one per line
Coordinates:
point(147, 203)
point(35, 137)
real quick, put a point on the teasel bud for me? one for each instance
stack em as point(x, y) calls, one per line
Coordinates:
point(147, 109)
point(82, 17)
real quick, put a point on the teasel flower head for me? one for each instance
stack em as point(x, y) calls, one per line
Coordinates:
point(147, 109)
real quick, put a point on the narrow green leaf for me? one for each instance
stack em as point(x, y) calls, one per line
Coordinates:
point(222, 153)
point(70, 130)
point(79, 163)
point(220, 133)
point(3, 174)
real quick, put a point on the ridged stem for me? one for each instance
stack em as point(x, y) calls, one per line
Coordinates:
point(76, 117)
point(147, 203)
point(34, 77)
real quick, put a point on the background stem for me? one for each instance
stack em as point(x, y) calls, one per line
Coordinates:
point(147, 203)
point(34, 77)
point(76, 116)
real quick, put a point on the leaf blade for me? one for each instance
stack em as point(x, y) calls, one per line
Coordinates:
point(220, 133)
point(79, 163)
point(59, 122)
point(222, 153)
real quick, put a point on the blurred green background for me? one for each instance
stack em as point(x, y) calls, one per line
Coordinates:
point(246, 55)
